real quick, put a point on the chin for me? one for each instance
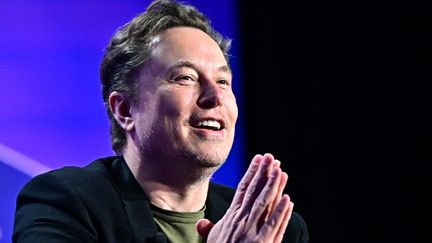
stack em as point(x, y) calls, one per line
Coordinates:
point(208, 160)
point(203, 165)
point(210, 163)
point(211, 160)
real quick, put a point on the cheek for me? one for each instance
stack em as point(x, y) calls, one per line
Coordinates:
point(175, 102)
point(231, 105)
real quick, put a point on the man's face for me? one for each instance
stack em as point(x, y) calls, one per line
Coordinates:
point(186, 109)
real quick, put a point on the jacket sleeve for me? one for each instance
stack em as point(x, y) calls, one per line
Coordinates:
point(49, 209)
point(297, 231)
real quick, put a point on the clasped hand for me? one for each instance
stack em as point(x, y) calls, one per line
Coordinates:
point(259, 211)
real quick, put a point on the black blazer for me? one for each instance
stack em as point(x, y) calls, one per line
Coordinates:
point(103, 202)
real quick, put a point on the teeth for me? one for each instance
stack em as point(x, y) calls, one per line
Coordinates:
point(210, 123)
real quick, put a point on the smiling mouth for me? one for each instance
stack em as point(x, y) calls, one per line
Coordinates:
point(211, 124)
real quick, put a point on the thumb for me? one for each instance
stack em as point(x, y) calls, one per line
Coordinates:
point(203, 227)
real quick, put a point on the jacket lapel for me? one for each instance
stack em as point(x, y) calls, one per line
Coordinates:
point(218, 201)
point(135, 202)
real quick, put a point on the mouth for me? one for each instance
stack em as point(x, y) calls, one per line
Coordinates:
point(208, 123)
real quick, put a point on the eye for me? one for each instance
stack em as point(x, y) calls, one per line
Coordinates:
point(184, 77)
point(223, 82)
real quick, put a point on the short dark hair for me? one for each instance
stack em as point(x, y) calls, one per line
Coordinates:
point(130, 48)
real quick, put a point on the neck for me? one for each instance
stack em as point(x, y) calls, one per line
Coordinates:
point(191, 199)
point(170, 185)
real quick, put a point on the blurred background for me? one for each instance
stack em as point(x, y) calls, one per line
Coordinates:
point(339, 91)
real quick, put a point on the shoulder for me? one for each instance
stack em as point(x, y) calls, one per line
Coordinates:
point(95, 168)
point(66, 200)
point(69, 186)
point(64, 183)
point(65, 176)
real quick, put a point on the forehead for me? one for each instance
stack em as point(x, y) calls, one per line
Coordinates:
point(187, 44)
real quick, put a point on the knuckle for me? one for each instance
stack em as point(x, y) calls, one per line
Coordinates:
point(252, 189)
point(271, 222)
point(243, 185)
point(261, 204)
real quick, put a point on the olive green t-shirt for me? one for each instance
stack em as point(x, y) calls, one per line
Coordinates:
point(178, 227)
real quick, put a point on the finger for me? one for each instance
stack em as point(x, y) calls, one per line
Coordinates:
point(203, 226)
point(282, 185)
point(282, 228)
point(278, 196)
point(276, 163)
point(276, 221)
point(232, 216)
point(262, 204)
point(246, 180)
point(258, 183)
point(247, 192)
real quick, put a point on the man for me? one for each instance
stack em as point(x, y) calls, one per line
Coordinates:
point(167, 87)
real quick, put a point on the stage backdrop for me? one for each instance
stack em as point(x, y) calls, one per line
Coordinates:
point(51, 112)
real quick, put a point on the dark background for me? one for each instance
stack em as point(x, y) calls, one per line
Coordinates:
point(339, 91)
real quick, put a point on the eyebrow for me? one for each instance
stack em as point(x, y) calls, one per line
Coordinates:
point(224, 68)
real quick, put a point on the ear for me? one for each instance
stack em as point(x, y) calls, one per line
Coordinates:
point(121, 110)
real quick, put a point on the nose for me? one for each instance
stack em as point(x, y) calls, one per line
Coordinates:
point(211, 95)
